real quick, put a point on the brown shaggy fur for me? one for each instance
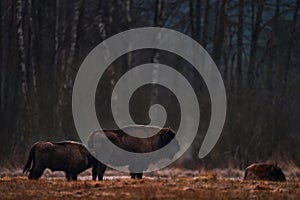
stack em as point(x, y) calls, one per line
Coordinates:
point(68, 156)
point(131, 144)
point(264, 171)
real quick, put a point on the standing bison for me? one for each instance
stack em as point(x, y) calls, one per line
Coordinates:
point(130, 143)
point(70, 157)
point(264, 171)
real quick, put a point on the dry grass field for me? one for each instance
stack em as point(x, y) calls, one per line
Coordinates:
point(158, 186)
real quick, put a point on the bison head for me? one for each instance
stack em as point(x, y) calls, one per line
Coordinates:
point(166, 135)
point(276, 174)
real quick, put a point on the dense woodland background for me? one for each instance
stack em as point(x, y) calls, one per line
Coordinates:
point(255, 44)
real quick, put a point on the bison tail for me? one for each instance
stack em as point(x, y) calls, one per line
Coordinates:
point(29, 160)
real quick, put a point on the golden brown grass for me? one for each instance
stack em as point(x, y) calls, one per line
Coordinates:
point(204, 186)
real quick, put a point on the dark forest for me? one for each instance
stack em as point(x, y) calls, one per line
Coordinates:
point(255, 44)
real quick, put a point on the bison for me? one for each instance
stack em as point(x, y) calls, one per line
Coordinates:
point(264, 171)
point(68, 156)
point(132, 144)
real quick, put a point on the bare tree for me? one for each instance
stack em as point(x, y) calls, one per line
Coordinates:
point(257, 9)
point(240, 44)
point(291, 39)
point(205, 24)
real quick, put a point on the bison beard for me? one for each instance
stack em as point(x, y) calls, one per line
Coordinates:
point(70, 157)
point(131, 144)
point(264, 171)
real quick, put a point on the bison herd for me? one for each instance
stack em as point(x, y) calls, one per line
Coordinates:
point(74, 157)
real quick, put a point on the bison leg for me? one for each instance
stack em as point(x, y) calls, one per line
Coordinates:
point(100, 170)
point(140, 175)
point(136, 175)
point(71, 176)
point(36, 173)
point(94, 171)
point(74, 177)
point(133, 175)
point(68, 175)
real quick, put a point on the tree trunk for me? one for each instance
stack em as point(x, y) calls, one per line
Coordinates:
point(198, 21)
point(158, 22)
point(192, 16)
point(23, 77)
point(239, 76)
point(219, 33)
point(256, 22)
point(205, 25)
point(2, 76)
point(289, 52)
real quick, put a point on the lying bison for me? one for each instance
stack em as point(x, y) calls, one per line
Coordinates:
point(264, 171)
point(68, 156)
point(131, 144)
